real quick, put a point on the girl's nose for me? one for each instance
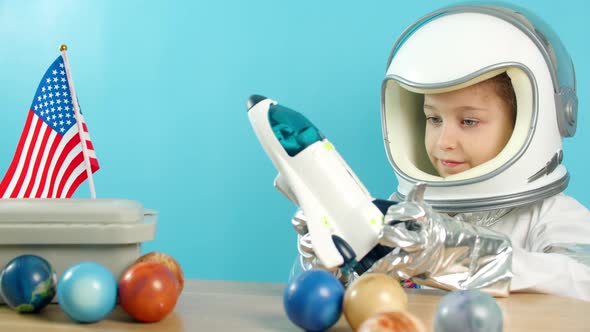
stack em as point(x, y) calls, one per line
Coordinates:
point(447, 140)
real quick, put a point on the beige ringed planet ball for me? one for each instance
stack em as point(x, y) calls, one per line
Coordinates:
point(371, 294)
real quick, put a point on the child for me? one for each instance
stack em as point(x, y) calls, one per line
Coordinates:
point(475, 103)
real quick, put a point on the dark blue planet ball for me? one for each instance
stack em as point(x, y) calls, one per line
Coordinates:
point(28, 283)
point(313, 300)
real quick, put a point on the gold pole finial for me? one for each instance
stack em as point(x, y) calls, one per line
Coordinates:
point(63, 47)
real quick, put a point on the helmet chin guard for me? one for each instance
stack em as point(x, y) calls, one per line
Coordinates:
point(457, 47)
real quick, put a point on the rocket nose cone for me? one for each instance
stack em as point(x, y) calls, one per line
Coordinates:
point(253, 100)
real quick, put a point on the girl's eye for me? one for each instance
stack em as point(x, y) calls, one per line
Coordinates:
point(433, 119)
point(470, 122)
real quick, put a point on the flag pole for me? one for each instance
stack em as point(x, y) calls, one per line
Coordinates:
point(63, 48)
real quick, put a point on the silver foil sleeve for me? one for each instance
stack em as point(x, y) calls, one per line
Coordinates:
point(436, 250)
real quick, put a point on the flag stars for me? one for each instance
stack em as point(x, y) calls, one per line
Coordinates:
point(58, 101)
point(45, 103)
point(50, 95)
point(61, 65)
point(53, 110)
point(57, 94)
point(56, 87)
point(63, 86)
point(43, 89)
point(48, 80)
point(55, 79)
point(54, 72)
point(49, 88)
point(39, 98)
point(61, 72)
point(63, 79)
point(62, 129)
point(44, 97)
point(68, 122)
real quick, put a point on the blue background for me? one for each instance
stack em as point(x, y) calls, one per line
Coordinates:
point(163, 86)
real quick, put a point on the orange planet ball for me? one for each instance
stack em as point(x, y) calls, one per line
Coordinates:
point(169, 262)
point(371, 294)
point(394, 321)
point(148, 291)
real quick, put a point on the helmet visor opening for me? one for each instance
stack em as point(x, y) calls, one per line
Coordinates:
point(404, 125)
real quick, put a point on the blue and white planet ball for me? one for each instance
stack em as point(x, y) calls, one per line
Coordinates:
point(87, 292)
point(27, 283)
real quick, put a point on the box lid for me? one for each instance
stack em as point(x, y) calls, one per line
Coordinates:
point(86, 211)
point(75, 221)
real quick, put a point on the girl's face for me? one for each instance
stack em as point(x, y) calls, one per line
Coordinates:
point(466, 127)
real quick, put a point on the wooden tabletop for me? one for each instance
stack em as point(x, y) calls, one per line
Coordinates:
point(244, 306)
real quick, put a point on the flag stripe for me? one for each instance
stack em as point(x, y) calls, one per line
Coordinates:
point(30, 181)
point(73, 170)
point(61, 158)
point(79, 179)
point(13, 165)
point(53, 166)
point(30, 147)
point(43, 186)
point(48, 147)
point(18, 161)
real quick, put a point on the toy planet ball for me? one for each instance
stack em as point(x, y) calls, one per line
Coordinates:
point(27, 283)
point(313, 300)
point(394, 321)
point(371, 294)
point(87, 292)
point(468, 310)
point(167, 261)
point(148, 291)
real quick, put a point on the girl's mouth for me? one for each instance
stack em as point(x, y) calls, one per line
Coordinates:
point(451, 163)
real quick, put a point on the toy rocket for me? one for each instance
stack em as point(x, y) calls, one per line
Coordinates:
point(343, 220)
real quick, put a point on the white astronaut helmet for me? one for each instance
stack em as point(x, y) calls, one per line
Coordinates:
point(459, 46)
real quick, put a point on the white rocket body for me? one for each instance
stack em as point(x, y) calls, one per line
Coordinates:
point(319, 182)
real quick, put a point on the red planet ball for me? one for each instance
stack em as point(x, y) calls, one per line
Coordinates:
point(169, 262)
point(148, 291)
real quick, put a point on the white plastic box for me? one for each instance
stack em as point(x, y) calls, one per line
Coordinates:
point(69, 231)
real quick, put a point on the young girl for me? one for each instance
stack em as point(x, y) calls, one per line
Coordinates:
point(475, 104)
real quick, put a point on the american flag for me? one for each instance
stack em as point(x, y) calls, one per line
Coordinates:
point(49, 161)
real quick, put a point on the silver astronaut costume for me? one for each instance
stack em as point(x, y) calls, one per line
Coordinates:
point(501, 222)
